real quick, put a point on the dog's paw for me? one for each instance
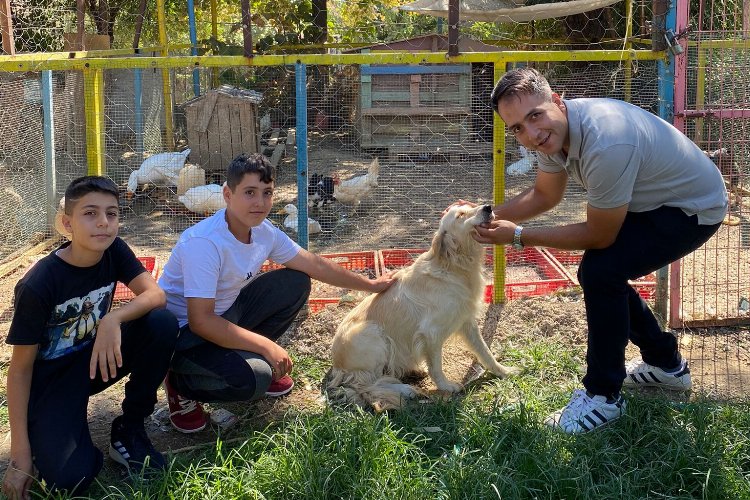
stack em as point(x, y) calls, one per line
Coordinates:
point(507, 371)
point(449, 386)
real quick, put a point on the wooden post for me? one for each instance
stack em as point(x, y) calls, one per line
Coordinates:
point(6, 20)
point(746, 17)
point(80, 21)
point(247, 34)
point(214, 37)
point(660, 8)
point(453, 17)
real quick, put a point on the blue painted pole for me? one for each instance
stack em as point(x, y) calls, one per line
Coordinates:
point(138, 110)
point(666, 74)
point(50, 175)
point(666, 71)
point(194, 47)
point(300, 73)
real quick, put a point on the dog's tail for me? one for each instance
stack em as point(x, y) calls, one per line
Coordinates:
point(367, 390)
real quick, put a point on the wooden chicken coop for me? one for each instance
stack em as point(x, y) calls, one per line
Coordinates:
point(422, 110)
point(221, 124)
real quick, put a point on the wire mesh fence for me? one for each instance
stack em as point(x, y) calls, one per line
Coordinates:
point(425, 131)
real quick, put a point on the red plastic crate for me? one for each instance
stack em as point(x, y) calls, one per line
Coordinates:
point(353, 261)
point(565, 259)
point(551, 277)
point(123, 293)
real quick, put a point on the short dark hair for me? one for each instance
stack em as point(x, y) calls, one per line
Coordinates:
point(521, 81)
point(249, 163)
point(80, 187)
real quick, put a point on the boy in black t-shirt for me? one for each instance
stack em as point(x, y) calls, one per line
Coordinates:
point(68, 345)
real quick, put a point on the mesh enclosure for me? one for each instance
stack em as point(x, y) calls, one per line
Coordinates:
point(423, 130)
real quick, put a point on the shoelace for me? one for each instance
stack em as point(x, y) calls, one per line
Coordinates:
point(580, 400)
point(632, 365)
point(186, 406)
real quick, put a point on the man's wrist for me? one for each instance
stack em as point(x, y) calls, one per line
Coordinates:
point(517, 242)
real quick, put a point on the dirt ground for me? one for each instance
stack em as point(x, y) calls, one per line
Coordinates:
point(403, 213)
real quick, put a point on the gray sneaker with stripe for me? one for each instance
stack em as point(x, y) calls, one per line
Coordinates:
point(640, 374)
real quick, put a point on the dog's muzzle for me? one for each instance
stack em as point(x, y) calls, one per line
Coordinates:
point(486, 213)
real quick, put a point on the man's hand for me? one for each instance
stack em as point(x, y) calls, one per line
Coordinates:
point(281, 363)
point(18, 478)
point(497, 232)
point(106, 354)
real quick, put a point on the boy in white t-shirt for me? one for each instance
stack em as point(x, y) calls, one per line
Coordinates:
point(229, 316)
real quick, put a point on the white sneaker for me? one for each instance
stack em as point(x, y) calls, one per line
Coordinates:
point(641, 374)
point(585, 413)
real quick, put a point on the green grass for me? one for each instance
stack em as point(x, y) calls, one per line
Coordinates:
point(489, 443)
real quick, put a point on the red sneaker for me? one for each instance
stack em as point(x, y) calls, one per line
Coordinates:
point(280, 387)
point(186, 415)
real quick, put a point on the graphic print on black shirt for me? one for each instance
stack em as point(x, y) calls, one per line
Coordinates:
point(74, 322)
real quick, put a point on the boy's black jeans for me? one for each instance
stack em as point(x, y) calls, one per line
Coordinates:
point(61, 444)
point(204, 371)
point(615, 313)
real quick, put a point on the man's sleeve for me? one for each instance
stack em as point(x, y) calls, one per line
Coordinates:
point(610, 176)
point(201, 266)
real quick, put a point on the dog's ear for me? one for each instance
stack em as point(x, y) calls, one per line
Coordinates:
point(443, 245)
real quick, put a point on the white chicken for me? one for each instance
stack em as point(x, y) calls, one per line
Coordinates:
point(524, 165)
point(291, 220)
point(190, 176)
point(352, 191)
point(204, 200)
point(162, 169)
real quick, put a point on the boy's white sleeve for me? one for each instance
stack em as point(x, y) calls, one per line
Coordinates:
point(201, 265)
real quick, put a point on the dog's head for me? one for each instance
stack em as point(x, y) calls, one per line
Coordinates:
point(453, 241)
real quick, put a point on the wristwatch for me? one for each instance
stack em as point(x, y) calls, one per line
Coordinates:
point(517, 243)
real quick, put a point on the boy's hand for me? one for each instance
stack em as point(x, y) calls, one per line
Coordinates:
point(383, 282)
point(106, 354)
point(18, 478)
point(281, 363)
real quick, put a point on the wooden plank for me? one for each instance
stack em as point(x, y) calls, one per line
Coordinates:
point(213, 145)
point(19, 257)
point(225, 139)
point(464, 90)
point(6, 27)
point(404, 111)
point(235, 124)
point(448, 97)
point(209, 103)
point(415, 81)
point(248, 133)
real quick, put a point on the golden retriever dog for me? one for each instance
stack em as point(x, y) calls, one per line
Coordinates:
point(394, 333)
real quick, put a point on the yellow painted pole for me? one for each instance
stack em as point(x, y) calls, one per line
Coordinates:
point(60, 61)
point(165, 79)
point(627, 47)
point(700, 94)
point(93, 98)
point(498, 195)
point(215, 36)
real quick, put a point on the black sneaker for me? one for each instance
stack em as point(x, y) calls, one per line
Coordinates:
point(130, 446)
